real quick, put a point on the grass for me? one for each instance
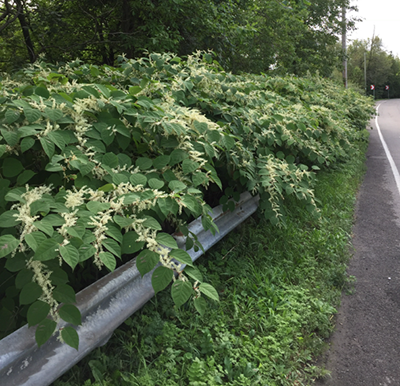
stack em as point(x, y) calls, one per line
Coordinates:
point(279, 288)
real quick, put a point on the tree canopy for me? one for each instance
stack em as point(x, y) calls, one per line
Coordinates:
point(292, 36)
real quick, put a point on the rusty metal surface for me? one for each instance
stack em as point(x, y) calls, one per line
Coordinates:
point(104, 305)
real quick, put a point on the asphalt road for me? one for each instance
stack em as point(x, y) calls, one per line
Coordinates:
point(365, 347)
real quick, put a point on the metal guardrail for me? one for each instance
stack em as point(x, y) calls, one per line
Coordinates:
point(104, 305)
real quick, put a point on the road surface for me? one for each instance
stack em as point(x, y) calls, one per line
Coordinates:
point(365, 347)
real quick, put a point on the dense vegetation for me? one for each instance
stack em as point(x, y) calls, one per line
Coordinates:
point(291, 36)
point(278, 289)
point(100, 163)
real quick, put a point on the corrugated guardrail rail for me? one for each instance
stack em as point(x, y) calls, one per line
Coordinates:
point(104, 305)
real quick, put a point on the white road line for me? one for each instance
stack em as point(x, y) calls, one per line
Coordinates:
point(388, 155)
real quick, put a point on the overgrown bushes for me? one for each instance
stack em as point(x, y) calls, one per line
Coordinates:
point(101, 163)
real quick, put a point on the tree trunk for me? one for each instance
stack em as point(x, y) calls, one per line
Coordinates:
point(25, 31)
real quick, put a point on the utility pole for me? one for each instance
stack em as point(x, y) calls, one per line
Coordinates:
point(365, 72)
point(344, 45)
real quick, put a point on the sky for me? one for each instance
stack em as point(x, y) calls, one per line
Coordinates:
point(385, 16)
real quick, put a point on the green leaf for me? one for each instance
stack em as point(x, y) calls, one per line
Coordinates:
point(8, 220)
point(32, 115)
point(53, 114)
point(161, 277)
point(109, 260)
point(70, 314)
point(182, 256)
point(70, 255)
point(64, 293)
point(12, 116)
point(114, 232)
point(134, 90)
point(46, 250)
point(110, 159)
point(26, 144)
point(123, 221)
point(37, 312)
point(44, 331)
point(189, 166)
point(47, 146)
point(146, 261)
point(161, 162)
point(181, 292)
point(24, 276)
point(192, 204)
point(25, 176)
point(29, 293)
point(8, 244)
point(177, 186)
point(86, 251)
point(57, 138)
point(166, 240)
point(42, 91)
point(194, 273)
point(34, 239)
point(138, 179)
point(156, 183)
point(209, 290)
point(200, 304)
point(70, 337)
point(44, 227)
point(177, 156)
point(112, 246)
point(144, 163)
point(12, 167)
point(152, 223)
point(11, 137)
point(96, 206)
point(16, 263)
point(129, 243)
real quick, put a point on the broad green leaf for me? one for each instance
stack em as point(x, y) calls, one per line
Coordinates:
point(12, 116)
point(8, 244)
point(194, 273)
point(34, 239)
point(110, 159)
point(177, 186)
point(70, 255)
point(144, 163)
point(106, 188)
point(182, 256)
point(70, 337)
point(44, 227)
point(57, 138)
point(42, 91)
point(58, 276)
point(131, 198)
point(3, 149)
point(44, 331)
point(134, 90)
point(64, 293)
point(152, 223)
point(129, 243)
point(24, 276)
point(109, 260)
point(26, 144)
point(161, 277)
point(16, 263)
point(138, 179)
point(11, 137)
point(46, 250)
point(189, 166)
point(209, 290)
point(156, 183)
point(112, 246)
point(96, 206)
point(25, 176)
point(37, 312)
point(123, 221)
point(47, 146)
point(12, 167)
point(161, 162)
point(70, 314)
point(8, 219)
point(146, 261)
point(15, 195)
point(114, 232)
point(178, 155)
point(53, 114)
point(191, 203)
point(166, 240)
point(120, 179)
point(29, 293)
point(32, 115)
point(200, 304)
point(40, 206)
point(181, 292)
point(86, 251)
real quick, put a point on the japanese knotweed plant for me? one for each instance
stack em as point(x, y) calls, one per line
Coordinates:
point(101, 162)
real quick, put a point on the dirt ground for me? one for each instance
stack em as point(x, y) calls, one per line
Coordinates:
point(365, 347)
